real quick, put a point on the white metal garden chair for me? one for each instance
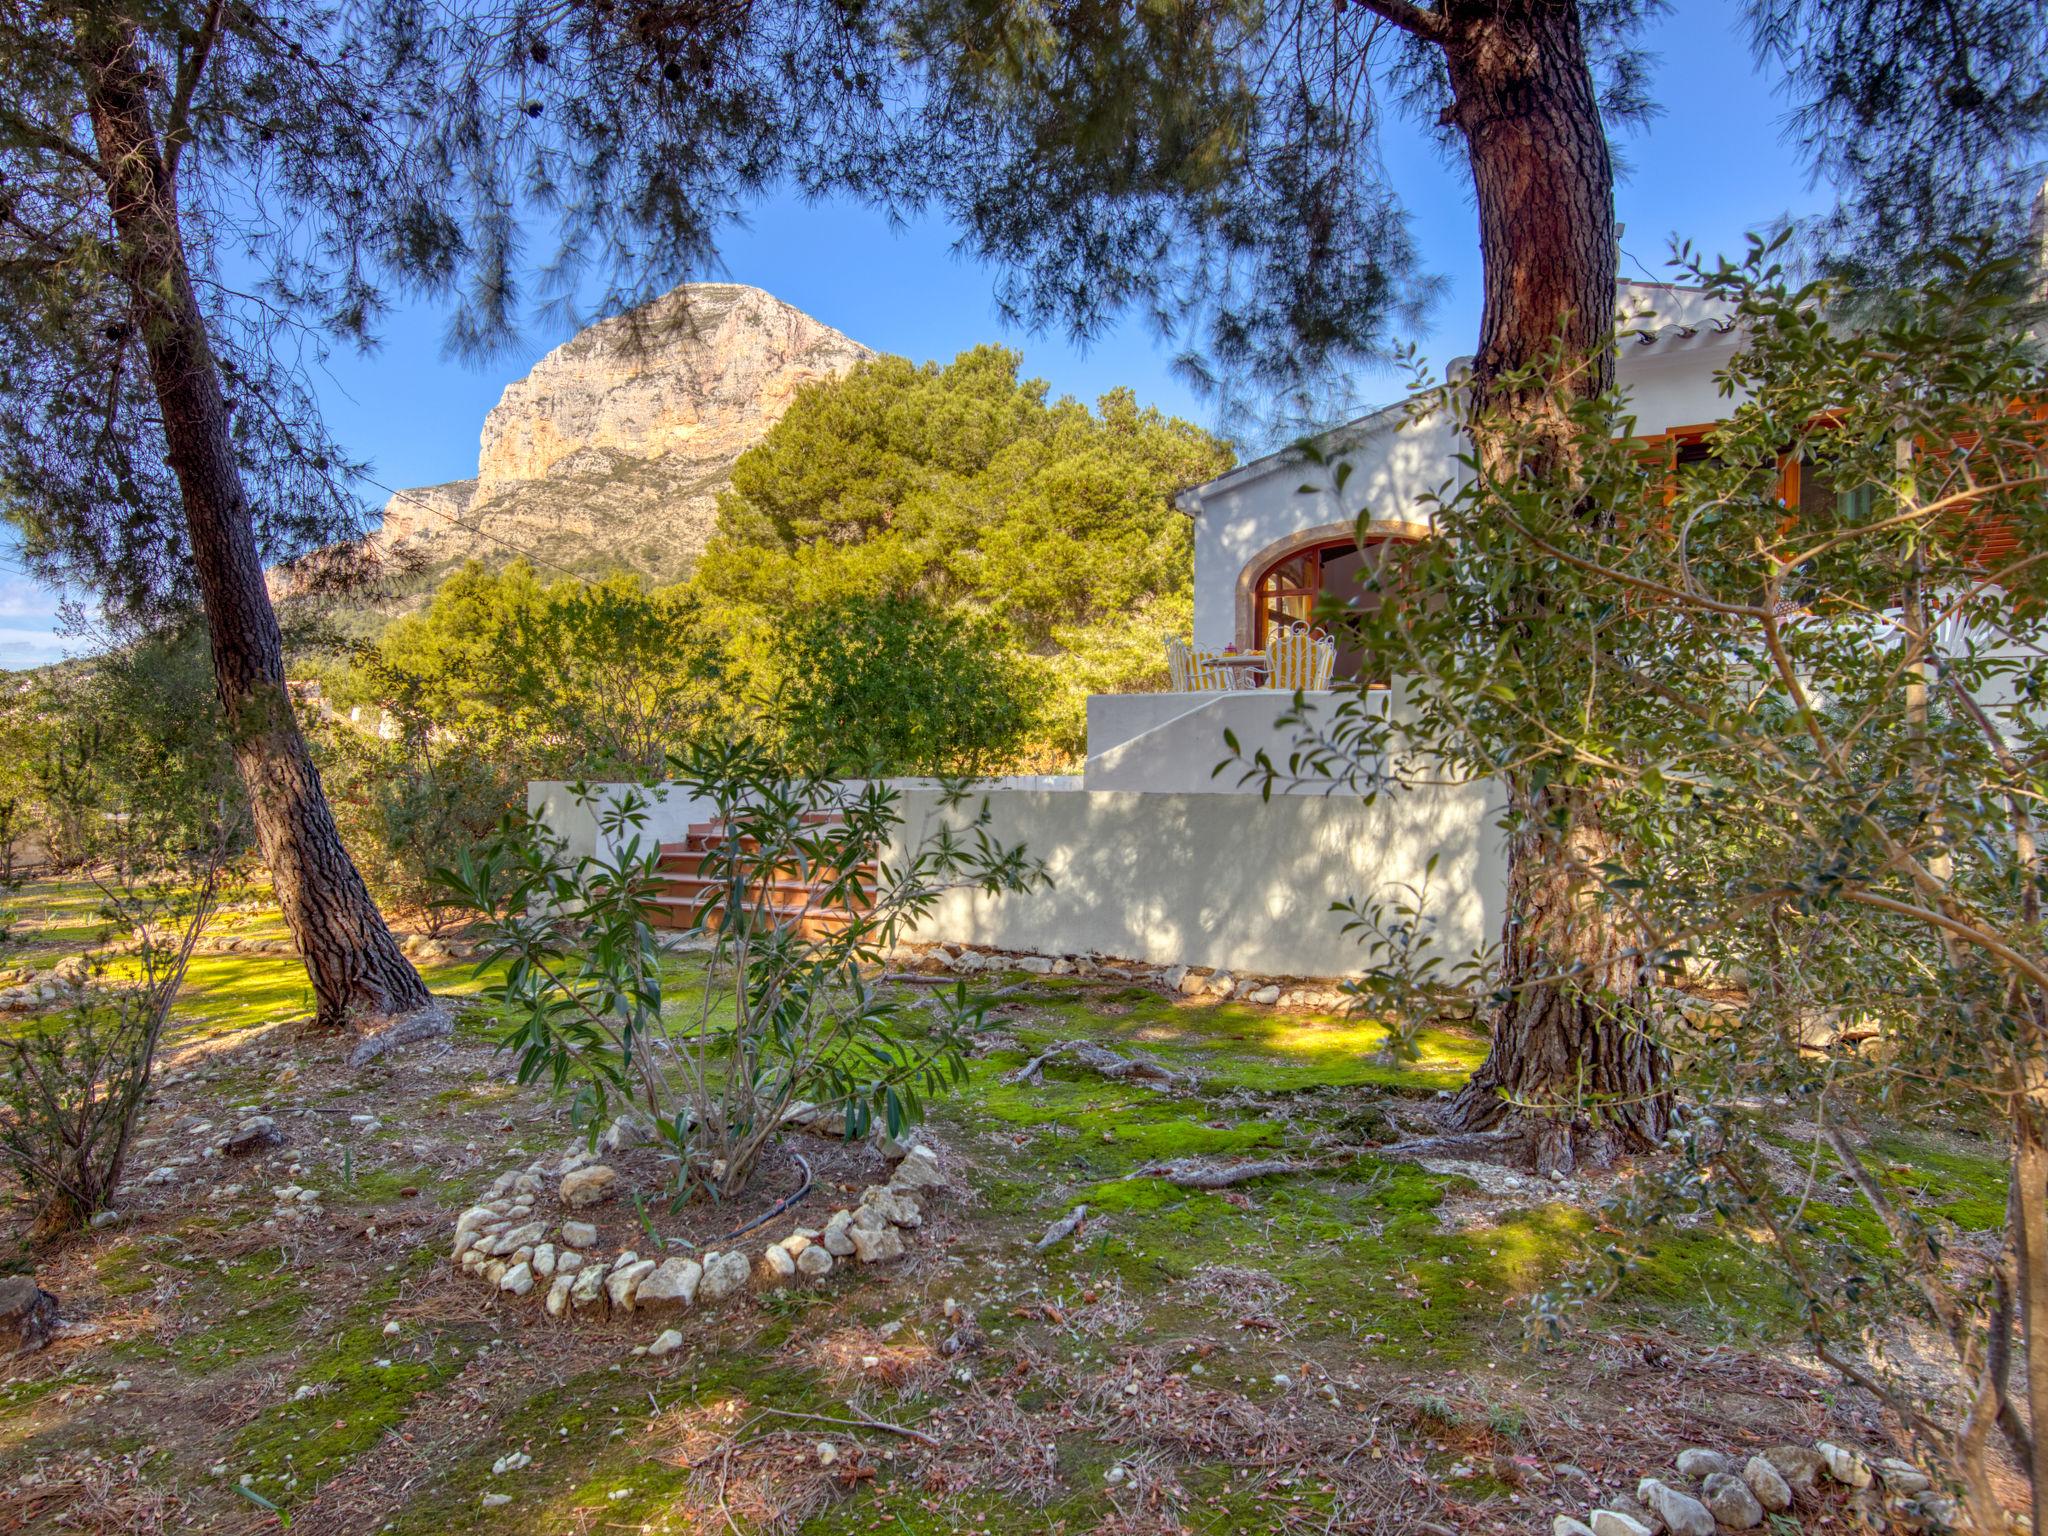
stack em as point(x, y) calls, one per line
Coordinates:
point(1194, 671)
point(1297, 658)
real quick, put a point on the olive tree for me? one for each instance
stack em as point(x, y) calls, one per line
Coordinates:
point(1799, 676)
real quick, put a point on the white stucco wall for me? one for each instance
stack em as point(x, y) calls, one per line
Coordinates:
point(669, 813)
point(1225, 881)
point(1398, 464)
point(1395, 466)
point(1173, 741)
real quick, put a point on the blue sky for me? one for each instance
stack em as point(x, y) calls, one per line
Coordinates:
point(1711, 167)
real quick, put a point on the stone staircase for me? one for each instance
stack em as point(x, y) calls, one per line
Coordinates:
point(787, 893)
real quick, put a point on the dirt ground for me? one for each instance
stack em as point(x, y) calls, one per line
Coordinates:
point(1341, 1348)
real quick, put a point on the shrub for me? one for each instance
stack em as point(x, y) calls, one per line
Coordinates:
point(74, 1083)
point(896, 684)
point(781, 1013)
point(563, 679)
point(406, 807)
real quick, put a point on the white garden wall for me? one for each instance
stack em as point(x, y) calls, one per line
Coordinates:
point(1224, 881)
point(669, 813)
point(1214, 881)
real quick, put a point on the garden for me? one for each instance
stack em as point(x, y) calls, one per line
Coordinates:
point(1148, 1273)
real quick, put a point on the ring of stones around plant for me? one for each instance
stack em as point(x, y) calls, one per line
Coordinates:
point(1714, 1492)
point(537, 1235)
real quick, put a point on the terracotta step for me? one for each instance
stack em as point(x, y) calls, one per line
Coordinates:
point(811, 922)
point(811, 892)
point(692, 863)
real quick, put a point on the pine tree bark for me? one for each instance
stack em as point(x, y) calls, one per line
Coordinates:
point(1570, 1057)
point(358, 974)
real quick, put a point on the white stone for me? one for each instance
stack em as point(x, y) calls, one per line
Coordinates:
point(814, 1262)
point(724, 1273)
point(1902, 1476)
point(1798, 1465)
point(776, 1266)
point(876, 1245)
point(1612, 1522)
point(837, 1239)
point(672, 1285)
point(895, 1206)
point(1681, 1513)
point(1844, 1465)
point(587, 1186)
point(1565, 1525)
point(667, 1343)
point(1764, 1481)
point(578, 1234)
point(544, 1260)
point(477, 1216)
point(587, 1286)
point(1730, 1502)
point(518, 1279)
point(1266, 997)
point(558, 1295)
point(1697, 1461)
point(919, 1170)
point(567, 1261)
point(621, 1284)
point(625, 1132)
point(519, 1237)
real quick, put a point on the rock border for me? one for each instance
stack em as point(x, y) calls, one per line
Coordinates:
point(1734, 1493)
point(516, 1252)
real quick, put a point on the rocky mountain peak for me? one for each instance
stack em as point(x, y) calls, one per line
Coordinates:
point(610, 453)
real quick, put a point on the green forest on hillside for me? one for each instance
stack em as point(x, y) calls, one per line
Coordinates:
point(921, 568)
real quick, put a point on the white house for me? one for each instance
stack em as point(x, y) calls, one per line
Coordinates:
point(1154, 856)
point(1272, 535)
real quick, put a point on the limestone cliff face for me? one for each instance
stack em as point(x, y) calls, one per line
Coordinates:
point(610, 454)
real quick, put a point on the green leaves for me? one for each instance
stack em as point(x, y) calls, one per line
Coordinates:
point(712, 1054)
point(1028, 547)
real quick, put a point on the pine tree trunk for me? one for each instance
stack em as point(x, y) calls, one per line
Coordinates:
point(1569, 1054)
point(2030, 1243)
point(357, 972)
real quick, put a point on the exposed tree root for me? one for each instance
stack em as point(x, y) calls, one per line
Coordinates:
point(1062, 1229)
point(1096, 1058)
point(1192, 1173)
point(386, 1032)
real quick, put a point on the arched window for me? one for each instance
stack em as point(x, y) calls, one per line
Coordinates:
point(1289, 589)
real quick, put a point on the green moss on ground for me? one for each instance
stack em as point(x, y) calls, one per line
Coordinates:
point(1349, 1263)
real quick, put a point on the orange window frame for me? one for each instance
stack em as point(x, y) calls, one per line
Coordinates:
point(1262, 594)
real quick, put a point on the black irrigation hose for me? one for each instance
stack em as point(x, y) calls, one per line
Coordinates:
point(779, 1206)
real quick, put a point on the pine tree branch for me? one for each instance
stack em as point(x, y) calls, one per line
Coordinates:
point(1413, 19)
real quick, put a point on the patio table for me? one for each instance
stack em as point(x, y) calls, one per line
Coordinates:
point(1247, 661)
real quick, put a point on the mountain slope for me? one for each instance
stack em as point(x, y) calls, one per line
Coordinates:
point(610, 454)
